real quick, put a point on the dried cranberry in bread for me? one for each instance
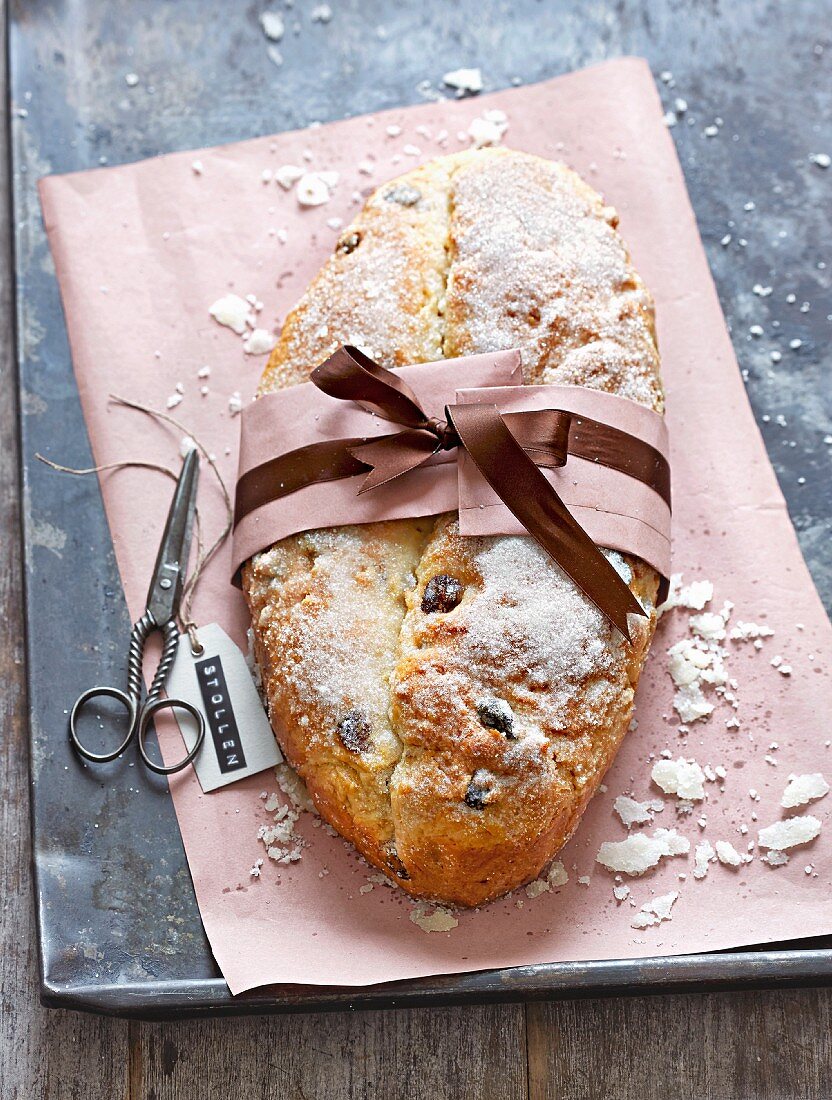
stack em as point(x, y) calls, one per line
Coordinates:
point(453, 703)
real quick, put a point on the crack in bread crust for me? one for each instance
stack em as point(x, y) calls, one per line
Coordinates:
point(384, 704)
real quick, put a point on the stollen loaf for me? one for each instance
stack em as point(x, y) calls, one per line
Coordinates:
point(452, 703)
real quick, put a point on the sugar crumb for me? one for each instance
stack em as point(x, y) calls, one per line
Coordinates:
point(639, 852)
point(287, 175)
point(681, 777)
point(312, 190)
point(804, 788)
point(775, 858)
point(789, 833)
point(232, 311)
point(693, 596)
point(440, 920)
point(258, 342)
point(655, 911)
point(702, 857)
point(464, 80)
point(557, 875)
point(273, 25)
point(633, 812)
point(489, 129)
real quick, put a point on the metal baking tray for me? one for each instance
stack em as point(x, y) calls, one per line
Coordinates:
point(117, 923)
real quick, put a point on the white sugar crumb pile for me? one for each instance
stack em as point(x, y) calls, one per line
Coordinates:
point(655, 911)
point(536, 888)
point(749, 632)
point(681, 777)
point(697, 662)
point(557, 876)
point(312, 187)
point(694, 663)
point(240, 315)
point(632, 812)
point(709, 626)
point(702, 856)
point(439, 920)
point(693, 596)
point(294, 788)
point(789, 833)
point(282, 843)
point(728, 855)
point(489, 129)
point(803, 789)
point(638, 853)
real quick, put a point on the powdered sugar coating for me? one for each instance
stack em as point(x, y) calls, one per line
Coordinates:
point(548, 275)
point(324, 677)
point(384, 295)
point(326, 612)
point(547, 644)
point(523, 631)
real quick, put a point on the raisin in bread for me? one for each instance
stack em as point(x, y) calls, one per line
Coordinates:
point(453, 703)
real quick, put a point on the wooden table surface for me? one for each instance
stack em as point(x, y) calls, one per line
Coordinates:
point(751, 1045)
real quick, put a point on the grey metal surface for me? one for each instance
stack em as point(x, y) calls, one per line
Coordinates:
point(118, 924)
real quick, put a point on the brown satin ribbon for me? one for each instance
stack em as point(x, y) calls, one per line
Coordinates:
point(507, 450)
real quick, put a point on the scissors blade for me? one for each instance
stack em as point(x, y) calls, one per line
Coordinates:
point(165, 593)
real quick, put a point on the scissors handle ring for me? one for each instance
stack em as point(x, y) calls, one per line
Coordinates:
point(122, 697)
point(152, 707)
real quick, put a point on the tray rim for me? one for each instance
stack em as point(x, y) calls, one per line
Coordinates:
point(709, 973)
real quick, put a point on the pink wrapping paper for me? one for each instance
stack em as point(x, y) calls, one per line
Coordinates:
point(304, 415)
point(617, 511)
point(142, 251)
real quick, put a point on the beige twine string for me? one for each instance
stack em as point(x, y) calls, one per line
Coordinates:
point(203, 557)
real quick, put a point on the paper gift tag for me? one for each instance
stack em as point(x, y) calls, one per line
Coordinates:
point(238, 738)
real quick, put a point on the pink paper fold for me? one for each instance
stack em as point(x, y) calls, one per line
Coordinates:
point(142, 251)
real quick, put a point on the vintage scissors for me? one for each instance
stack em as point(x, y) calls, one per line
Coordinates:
point(163, 602)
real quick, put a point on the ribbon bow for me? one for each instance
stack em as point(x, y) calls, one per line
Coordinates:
point(506, 449)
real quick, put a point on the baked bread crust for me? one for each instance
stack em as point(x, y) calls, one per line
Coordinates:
point(455, 733)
